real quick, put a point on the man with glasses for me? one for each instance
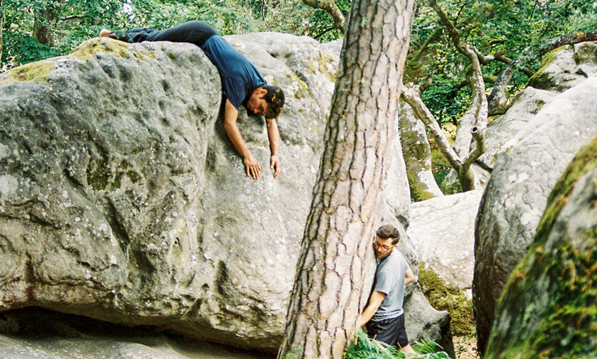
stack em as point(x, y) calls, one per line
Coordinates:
point(384, 316)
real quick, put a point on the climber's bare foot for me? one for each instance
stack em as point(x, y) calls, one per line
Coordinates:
point(105, 33)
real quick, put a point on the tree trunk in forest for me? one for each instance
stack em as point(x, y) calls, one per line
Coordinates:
point(45, 21)
point(1, 38)
point(326, 298)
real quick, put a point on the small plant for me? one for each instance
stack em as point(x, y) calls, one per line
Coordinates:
point(365, 348)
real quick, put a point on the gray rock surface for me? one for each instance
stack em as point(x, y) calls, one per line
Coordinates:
point(435, 327)
point(548, 307)
point(524, 174)
point(524, 108)
point(442, 233)
point(417, 154)
point(34, 333)
point(122, 199)
point(567, 67)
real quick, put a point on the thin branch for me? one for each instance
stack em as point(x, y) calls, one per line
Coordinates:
point(316, 37)
point(331, 8)
point(569, 39)
point(479, 138)
point(410, 94)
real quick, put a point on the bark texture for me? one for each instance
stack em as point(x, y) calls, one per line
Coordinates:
point(326, 297)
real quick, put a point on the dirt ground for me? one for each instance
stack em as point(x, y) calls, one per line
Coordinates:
point(466, 347)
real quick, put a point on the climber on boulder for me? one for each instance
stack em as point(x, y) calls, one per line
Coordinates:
point(242, 84)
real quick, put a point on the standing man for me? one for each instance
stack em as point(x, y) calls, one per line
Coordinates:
point(384, 316)
point(242, 84)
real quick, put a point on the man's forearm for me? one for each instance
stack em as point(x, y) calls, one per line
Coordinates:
point(231, 128)
point(237, 139)
point(366, 316)
point(274, 135)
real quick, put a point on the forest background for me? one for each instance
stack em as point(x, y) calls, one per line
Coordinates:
point(509, 37)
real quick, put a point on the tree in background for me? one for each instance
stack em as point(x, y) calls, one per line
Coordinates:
point(39, 29)
point(508, 39)
point(327, 294)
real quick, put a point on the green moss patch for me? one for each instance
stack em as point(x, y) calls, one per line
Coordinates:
point(549, 306)
point(446, 297)
point(418, 192)
point(324, 60)
point(540, 79)
point(36, 72)
point(116, 48)
point(303, 88)
point(98, 176)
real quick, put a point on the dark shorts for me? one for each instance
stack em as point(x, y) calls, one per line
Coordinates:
point(390, 331)
point(194, 32)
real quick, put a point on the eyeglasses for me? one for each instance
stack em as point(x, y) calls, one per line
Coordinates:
point(381, 246)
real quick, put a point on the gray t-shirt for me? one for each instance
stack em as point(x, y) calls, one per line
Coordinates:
point(389, 279)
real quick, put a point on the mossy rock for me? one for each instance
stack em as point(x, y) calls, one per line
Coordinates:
point(548, 308)
point(446, 297)
point(541, 79)
point(37, 72)
point(418, 192)
point(89, 48)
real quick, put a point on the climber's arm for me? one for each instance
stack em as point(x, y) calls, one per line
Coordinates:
point(252, 167)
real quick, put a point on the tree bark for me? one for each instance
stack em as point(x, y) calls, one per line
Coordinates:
point(45, 21)
point(568, 39)
point(331, 8)
point(326, 298)
point(1, 37)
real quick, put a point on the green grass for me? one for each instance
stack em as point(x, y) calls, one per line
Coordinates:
point(365, 348)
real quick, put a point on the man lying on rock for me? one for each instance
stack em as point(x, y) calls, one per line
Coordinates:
point(242, 84)
point(384, 317)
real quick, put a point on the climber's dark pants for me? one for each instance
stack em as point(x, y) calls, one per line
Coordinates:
point(194, 32)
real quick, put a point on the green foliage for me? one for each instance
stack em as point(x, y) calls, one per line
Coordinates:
point(365, 348)
point(517, 27)
point(77, 20)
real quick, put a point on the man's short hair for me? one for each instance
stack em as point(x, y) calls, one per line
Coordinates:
point(389, 231)
point(275, 101)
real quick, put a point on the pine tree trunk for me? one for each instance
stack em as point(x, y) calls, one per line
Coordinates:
point(337, 241)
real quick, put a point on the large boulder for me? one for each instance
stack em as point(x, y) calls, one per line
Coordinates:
point(37, 333)
point(122, 199)
point(525, 107)
point(442, 232)
point(526, 170)
point(566, 67)
point(548, 306)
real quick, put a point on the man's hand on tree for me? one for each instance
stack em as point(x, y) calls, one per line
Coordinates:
point(252, 167)
point(275, 165)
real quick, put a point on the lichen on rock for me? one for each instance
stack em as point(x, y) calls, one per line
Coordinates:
point(37, 72)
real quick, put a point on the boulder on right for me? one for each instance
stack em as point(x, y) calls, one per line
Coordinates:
point(524, 174)
point(548, 309)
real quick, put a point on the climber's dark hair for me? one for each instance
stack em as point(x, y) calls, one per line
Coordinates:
point(389, 231)
point(275, 101)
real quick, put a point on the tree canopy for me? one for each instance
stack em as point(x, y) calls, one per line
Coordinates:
point(36, 29)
